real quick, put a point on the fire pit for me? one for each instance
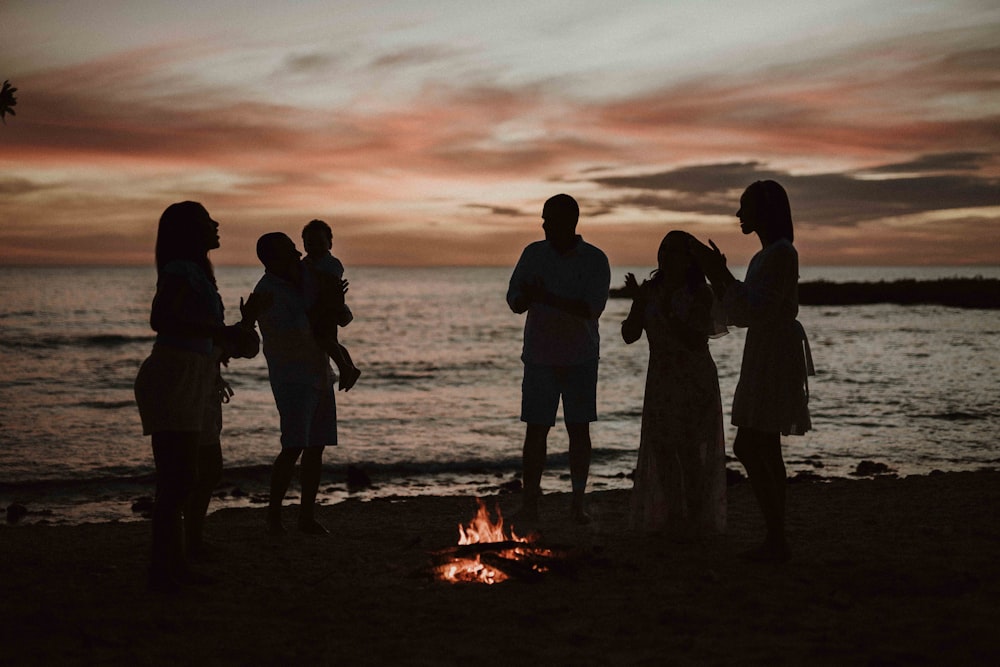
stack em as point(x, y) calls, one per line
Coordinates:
point(487, 553)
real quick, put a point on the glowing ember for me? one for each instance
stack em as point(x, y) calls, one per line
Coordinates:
point(487, 553)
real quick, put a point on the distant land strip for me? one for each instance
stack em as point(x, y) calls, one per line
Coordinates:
point(954, 292)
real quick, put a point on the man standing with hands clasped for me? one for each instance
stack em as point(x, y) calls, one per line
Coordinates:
point(562, 283)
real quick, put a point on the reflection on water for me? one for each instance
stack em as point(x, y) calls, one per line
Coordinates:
point(436, 410)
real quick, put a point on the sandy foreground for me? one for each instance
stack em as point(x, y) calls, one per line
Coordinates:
point(885, 571)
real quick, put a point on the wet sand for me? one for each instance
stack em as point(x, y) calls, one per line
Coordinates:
point(884, 571)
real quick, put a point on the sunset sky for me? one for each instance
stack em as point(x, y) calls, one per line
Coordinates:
point(431, 132)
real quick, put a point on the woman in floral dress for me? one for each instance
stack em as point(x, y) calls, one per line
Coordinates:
point(680, 477)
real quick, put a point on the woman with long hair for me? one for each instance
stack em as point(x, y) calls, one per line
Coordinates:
point(179, 389)
point(772, 394)
point(680, 476)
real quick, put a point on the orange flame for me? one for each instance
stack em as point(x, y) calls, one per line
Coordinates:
point(482, 529)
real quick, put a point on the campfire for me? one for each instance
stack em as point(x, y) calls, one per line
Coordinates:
point(488, 553)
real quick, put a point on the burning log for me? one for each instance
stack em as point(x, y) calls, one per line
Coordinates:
point(486, 553)
point(514, 569)
point(467, 550)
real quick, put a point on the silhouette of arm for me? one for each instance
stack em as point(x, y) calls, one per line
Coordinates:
point(593, 292)
point(536, 293)
point(598, 289)
point(763, 295)
point(633, 325)
point(516, 299)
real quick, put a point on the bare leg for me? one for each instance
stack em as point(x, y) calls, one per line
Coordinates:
point(174, 453)
point(579, 467)
point(350, 374)
point(312, 469)
point(533, 463)
point(760, 454)
point(281, 477)
point(209, 473)
point(346, 369)
point(778, 480)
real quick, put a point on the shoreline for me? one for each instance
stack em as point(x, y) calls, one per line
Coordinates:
point(132, 502)
point(884, 570)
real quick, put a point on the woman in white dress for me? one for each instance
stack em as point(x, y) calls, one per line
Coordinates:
point(179, 389)
point(772, 394)
point(680, 477)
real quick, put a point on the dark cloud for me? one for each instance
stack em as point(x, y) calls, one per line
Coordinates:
point(418, 55)
point(309, 63)
point(703, 179)
point(503, 211)
point(961, 161)
point(19, 186)
point(825, 199)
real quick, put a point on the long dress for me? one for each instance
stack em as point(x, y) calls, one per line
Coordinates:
point(773, 392)
point(680, 477)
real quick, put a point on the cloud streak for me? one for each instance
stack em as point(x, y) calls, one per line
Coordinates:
point(435, 143)
point(841, 199)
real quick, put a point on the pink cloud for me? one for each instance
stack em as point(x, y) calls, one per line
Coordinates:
point(266, 165)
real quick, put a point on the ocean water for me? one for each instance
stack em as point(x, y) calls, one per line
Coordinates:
point(436, 409)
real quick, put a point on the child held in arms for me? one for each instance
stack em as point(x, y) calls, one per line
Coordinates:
point(325, 288)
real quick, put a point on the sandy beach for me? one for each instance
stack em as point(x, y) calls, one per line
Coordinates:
point(885, 571)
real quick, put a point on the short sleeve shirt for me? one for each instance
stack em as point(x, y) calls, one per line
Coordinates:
point(553, 337)
point(292, 353)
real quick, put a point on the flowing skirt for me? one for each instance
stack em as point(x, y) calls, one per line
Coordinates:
point(680, 477)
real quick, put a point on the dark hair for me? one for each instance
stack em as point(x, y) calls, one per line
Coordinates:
point(267, 246)
point(694, 277)
point(775, 210)
point(563, 206)
point(321, 226)
point(180, 236)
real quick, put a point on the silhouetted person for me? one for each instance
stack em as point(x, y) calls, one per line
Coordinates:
point(179, 389)
point(680, 477)
point(301, 381)
point(772, 395)
point(562, 283)
point(325, 289)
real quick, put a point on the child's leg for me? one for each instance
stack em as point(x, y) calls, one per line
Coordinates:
point(336, 351)
point(346, 354)
point(350, 374)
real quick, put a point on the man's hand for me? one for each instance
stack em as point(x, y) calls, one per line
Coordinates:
point(534, 292)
